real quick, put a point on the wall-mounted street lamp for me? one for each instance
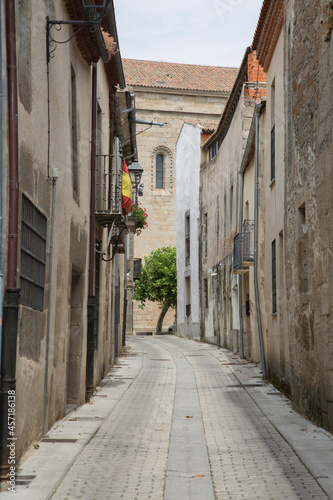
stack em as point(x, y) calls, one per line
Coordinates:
point(94, 13)
point(135, 171)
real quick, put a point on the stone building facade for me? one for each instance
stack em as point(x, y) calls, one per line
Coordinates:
point(170, 94)
point(219, 209)
point(308, 205)
point(62, 314)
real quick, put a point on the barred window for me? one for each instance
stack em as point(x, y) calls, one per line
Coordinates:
point(33, 255)
point(187, 240)
point(274, 309)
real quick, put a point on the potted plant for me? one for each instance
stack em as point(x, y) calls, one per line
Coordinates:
point(141, 215)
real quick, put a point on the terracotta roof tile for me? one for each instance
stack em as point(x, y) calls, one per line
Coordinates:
point(206, 125)
point(178, 76)
point(268, 31)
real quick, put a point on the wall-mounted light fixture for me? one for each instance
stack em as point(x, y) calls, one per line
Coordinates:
point(135, 171)
point(94, 13)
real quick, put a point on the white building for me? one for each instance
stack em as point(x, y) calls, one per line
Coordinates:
point(187, 189)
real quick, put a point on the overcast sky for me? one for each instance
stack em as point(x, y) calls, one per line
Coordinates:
point(213, 32)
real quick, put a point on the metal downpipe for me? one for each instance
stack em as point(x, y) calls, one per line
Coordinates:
point(256, 182)
point(240, 280)
point(55, 177)
point(91, 292)
point(125, 291)
point(12, 294)
point(3, 191)
point(116, 278)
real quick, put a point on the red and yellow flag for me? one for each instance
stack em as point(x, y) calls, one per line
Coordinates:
point(126, 189)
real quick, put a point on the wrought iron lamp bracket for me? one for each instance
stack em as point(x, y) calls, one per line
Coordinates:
point(51, 43)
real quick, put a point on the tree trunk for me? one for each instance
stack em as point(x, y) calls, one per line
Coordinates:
point(165, 309)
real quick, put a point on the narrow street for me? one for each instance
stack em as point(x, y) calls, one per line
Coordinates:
point(180, 420)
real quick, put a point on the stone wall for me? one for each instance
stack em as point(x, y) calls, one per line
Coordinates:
point(219, 202)
point(309, 206)
point(64, 333)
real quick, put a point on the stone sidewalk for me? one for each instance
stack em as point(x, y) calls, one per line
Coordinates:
point(180, 420)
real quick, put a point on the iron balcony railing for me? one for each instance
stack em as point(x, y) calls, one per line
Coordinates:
point(248, 242)
point(243, 250)
point(108, 189)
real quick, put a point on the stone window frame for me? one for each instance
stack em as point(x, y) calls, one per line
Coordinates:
point(168, 172)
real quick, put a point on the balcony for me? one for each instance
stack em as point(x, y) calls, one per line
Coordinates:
point(238, 267)
point(243, 252)
point(108, 191)
point(248, 243)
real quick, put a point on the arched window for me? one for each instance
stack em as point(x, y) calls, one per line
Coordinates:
point(159, 171)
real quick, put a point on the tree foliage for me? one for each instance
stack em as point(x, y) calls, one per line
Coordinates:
point(158, 282)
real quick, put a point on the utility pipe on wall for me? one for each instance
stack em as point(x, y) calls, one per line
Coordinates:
point(240, 280)
point(11, 302)
point(91, 290)
point(55, 177)
point(12, 147)
point(256, 287)
point(117, 277)
point(3, 164)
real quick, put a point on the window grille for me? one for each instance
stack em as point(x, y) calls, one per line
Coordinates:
point(206, 292)
point(273, 277)
point(97, 290)
point(188, 296)
point(33, 255)
point(205, 229)
point(237, 262)
point(187, 240)
point(273, 154)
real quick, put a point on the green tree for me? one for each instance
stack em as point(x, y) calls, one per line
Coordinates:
point(158, 282)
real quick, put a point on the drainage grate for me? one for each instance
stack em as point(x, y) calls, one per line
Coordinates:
point(245, 385)
point(23, 480)
point(123, 378)
point(152, 359)
point(85, 418)
point(58, 440)
point(191, 355)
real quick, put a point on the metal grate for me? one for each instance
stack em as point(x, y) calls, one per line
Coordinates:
point(237, 263)
point(273, 154)
point(58, 440)
point(33, 255)
point(244, 385)
point(24, 480)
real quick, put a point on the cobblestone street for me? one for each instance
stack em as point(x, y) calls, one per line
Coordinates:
point(179, 420)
